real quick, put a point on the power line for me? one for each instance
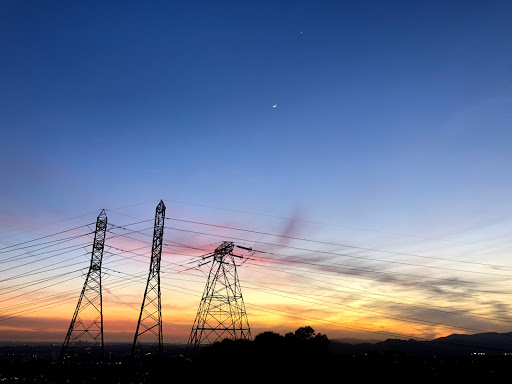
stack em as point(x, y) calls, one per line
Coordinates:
point(394, 317)
point(333, 253)
point(336, 265)
point(345, 245)
point(33, 272)
point(75, 248)
point(349, 308)
point(32, 254)
point(39, 289)
point(43, 306)
point(266, 309)
point(302, 261)
point(333, 267)
point(164, 244)
point(198, 294)
point(333, 225)
point(366, 311)
point(307, 317)
point(40, 238)
point(34, 282)
point(269, 259)
point(415, 305)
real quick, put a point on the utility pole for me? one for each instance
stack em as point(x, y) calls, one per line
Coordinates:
point(87, 322)
point(221, 313)
point(150, 318)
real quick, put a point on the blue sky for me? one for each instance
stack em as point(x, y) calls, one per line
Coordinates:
point(392, 121)
point(388, 113)
point(378, 103)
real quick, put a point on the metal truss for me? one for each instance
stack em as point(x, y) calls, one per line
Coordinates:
point(86, 328)
point(221, 313)
point(149, 325)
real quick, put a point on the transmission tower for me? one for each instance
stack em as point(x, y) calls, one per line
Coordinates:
point(221, 313)
point(86, 328)
point(150, 318)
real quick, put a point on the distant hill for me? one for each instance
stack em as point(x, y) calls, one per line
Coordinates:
point(504, 339)
point(454, 345)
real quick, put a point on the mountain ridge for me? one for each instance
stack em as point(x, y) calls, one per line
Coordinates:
point(489, 343)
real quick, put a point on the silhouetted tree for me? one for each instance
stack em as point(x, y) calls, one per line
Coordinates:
point(268, 337)
point(321, 343)
point(290, 337)
point(321, 338)
point(304, 333)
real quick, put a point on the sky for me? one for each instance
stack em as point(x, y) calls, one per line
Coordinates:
point(378, 132)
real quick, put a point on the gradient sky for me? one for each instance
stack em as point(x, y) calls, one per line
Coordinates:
point(391, 131)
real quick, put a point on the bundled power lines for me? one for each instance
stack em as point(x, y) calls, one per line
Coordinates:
point(299, 272)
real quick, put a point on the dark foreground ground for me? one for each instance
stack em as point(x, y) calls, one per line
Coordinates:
point(248, 361)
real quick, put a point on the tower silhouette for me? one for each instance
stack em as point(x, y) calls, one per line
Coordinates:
point(150, 318)
point(221, 312)
point(86, 328)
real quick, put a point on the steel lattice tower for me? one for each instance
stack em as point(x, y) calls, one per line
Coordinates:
point(221, 313)
point(87, 322)
point(150, 318)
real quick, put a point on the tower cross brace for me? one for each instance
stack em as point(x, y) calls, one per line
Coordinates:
point(87, 322)
point(221, 313)
point(150, 318)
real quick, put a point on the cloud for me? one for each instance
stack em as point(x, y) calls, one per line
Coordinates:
point(292, 227)
point(119, 300)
